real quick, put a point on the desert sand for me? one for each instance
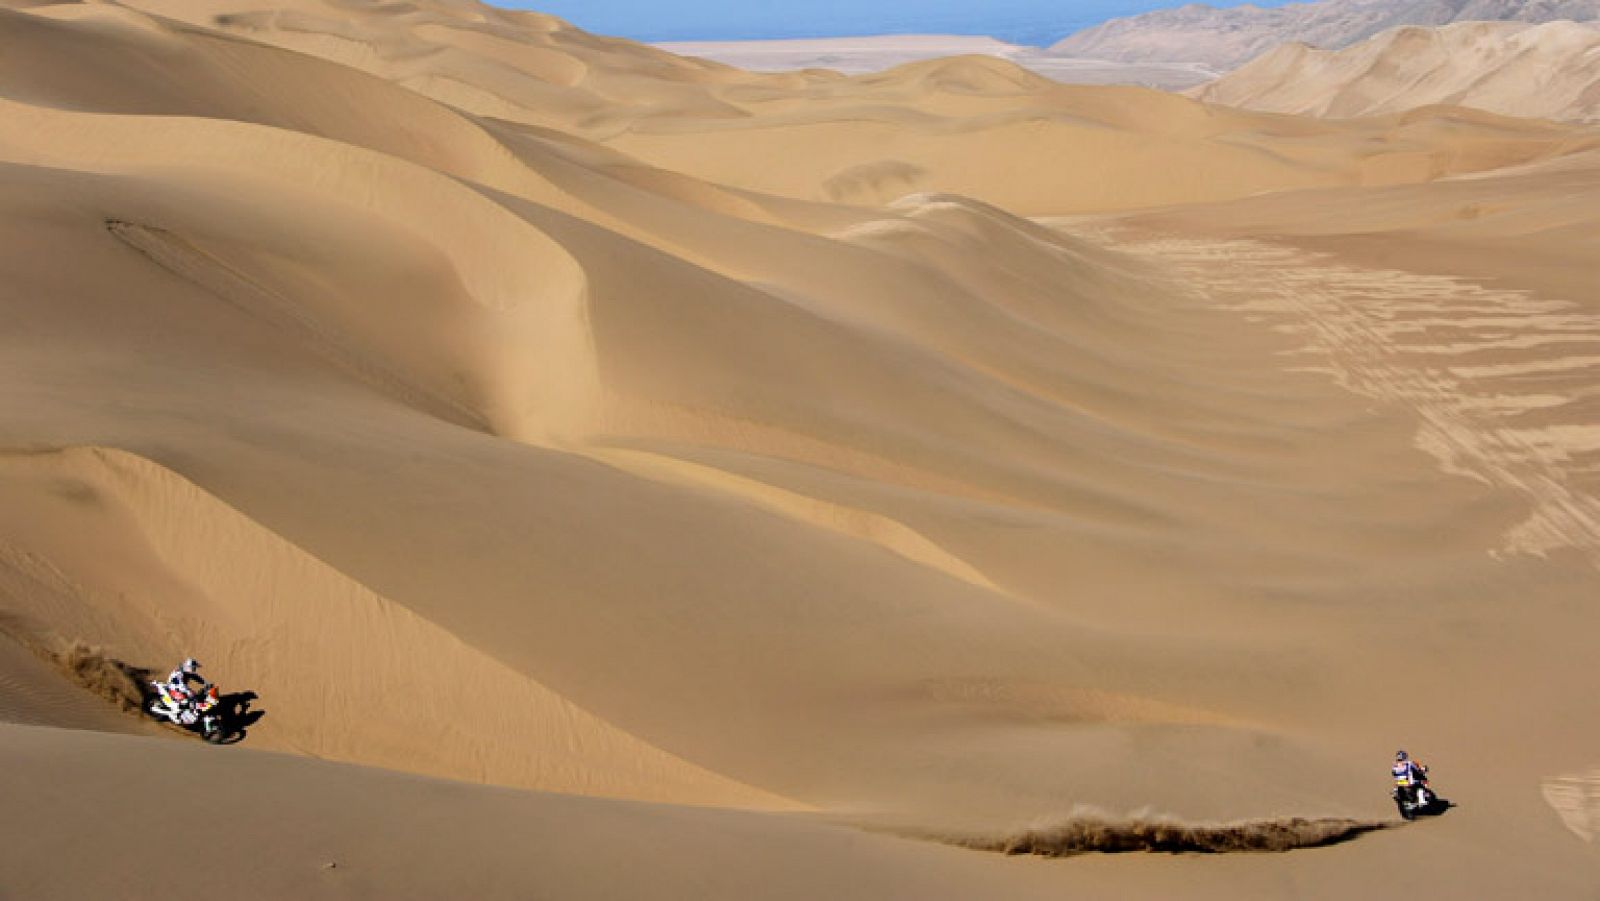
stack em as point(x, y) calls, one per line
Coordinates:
point(622, 475)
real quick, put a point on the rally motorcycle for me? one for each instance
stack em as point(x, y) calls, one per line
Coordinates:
point(200, 713)
point(1414, 798)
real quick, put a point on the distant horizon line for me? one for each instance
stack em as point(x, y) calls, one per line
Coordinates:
point(849, 37)
point(1018, 37)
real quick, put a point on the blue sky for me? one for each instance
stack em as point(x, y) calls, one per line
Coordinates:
point(1021, 21)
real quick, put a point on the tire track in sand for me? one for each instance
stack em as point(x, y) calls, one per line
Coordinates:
point(1500, 379)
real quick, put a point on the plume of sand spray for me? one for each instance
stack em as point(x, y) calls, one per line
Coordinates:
point(1091, 831)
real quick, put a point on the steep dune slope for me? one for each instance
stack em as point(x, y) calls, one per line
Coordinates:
point(924, 516)
point(1550, 71)
point(122, 553)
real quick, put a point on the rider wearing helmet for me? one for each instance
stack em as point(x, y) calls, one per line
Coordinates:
point(1407, 772)
point(176, 689)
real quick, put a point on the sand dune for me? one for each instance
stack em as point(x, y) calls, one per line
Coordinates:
point(157, 569)
point(330, 831)
point(1081, 149)
point(1551, 71)
point(517, 406)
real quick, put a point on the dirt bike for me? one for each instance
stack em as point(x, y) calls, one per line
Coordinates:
point(201, 713)
point(1414, 798)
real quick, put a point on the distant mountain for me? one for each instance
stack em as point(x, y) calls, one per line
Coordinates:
point(861, 55)
point(1550, 71)
point(1224, 39)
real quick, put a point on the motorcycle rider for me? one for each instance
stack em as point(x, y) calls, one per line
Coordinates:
point(1410, 775)
point(176, 691)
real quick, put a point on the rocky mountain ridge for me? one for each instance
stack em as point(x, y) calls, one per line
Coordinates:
point(1225, 39)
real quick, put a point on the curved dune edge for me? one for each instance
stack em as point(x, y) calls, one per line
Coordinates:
point(1096, 835)
point(853, 522)
point(502, 330)
point(173, 253)
point(129, 555)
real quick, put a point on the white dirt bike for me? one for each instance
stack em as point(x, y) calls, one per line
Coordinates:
point(201, 713)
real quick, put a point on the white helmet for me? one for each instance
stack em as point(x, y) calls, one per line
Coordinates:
point(190, 665)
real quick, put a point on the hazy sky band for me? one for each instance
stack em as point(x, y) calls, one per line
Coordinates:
point(1037, 22)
